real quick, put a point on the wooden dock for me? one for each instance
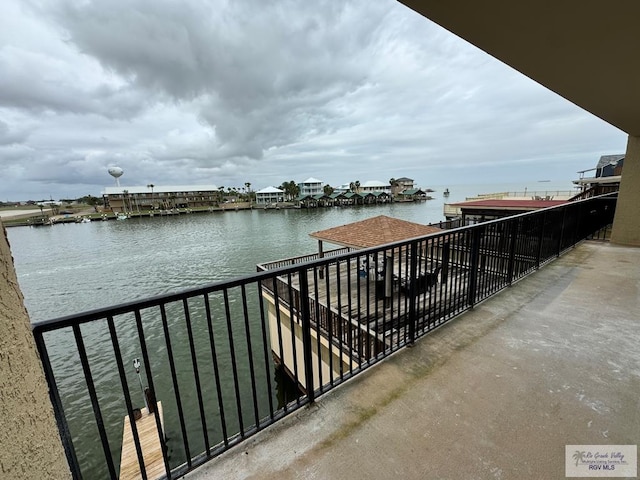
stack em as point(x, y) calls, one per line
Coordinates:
point(149, 442)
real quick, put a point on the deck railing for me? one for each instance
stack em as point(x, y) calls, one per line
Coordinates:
point(206, 353)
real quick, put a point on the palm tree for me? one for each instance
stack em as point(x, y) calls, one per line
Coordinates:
point(295, 189)
point(327, 189)
point(394, 185)
point(291, 189)
point(352, 186)
point(357, 184)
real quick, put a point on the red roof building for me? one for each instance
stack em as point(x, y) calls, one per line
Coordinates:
point(476, 211)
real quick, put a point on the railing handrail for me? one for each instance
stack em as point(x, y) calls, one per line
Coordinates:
point(301, 259)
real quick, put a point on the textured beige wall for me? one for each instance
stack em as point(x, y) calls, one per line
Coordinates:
point(626, 224)
point(30, 446)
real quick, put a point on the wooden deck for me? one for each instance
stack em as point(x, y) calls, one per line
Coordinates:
point(150, 444)
point(362, 300)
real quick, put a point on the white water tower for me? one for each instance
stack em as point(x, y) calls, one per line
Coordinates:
point(116, 172)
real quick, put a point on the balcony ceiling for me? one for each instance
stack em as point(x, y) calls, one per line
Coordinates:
point(586, 51)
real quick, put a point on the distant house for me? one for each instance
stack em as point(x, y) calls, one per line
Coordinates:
point(374, 186)
point(311, 186)
point(608, 173)
point(269, 195)
point(401, 184)
point(344, 188)
point(609, 166)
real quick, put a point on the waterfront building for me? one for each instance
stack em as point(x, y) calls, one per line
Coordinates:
point(413, 194)
point(152, 197)
point(607, 177)
point(344, 188)
point(374, 186)
point(477, 211)
point(311, 186)
point(399, 185)
point(269, 195)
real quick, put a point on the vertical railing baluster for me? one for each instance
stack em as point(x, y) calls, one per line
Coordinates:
point(473, 274)
point(348, 316)
point(127, 397)
point(329, 322)
point(196, 375)
point(174, 379)
point(340, 319)
point(317, 320)
point(265, 348)
point(94, 401)
point(306, 334)
point(58, 408)
point(512, 249)
point(216, 371)
point(413, 278)
point(252, 373)
point(152, 390)
point(294, 312)
point(540, 238)
point(276, 303)
point(234, 366)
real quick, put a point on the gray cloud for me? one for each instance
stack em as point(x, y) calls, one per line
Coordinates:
point(226, 92)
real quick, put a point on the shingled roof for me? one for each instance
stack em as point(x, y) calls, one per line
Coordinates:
point(373, 231)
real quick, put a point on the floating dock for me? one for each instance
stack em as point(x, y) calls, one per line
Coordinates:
point(150, 443)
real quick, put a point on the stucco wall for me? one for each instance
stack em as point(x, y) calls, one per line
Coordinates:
point(30, 446)
point(626, 224)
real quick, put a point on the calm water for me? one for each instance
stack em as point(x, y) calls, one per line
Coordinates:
point(71, 268)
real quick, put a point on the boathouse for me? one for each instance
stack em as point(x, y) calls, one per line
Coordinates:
point(353, 307)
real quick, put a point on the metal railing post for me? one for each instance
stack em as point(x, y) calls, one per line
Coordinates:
point(512, 250)
point(446, 252)
point(576, 230)
point(305, 314)
point(413, 279)
point(540, 240)
point(561, 236)
point(474, 262)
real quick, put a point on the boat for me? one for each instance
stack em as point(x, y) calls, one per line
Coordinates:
point(446, 192)
point(122, 216)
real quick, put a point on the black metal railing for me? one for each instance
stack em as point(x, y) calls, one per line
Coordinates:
point(208, 353)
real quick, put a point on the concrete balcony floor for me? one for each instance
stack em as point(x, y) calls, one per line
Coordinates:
point(496, 393)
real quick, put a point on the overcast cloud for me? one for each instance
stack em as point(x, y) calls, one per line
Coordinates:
point(257, 91)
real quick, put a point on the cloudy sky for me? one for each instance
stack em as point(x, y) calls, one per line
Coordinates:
point(263, 91)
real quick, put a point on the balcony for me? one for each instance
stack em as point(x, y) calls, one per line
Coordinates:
point(496, 393)
point(206, 353)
